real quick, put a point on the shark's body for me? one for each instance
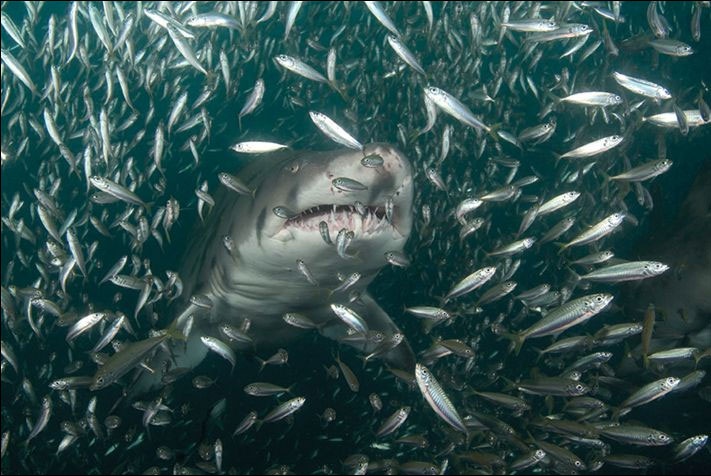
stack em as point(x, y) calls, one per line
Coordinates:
point(259, 279)
point(682, 296)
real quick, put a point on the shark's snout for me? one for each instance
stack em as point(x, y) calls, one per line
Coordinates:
point(368, 192)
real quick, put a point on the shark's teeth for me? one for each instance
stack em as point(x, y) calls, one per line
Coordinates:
point(341, 216)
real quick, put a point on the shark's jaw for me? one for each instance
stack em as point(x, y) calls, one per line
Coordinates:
point(383, 207)
point(378, 214)
point(371, 220)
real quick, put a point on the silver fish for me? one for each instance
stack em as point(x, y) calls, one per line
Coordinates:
point(641, 86)
point(393, 422)
point(284, 410)
point(454, 107)
point(593, 148)
point(334, 132)
point(631, 271)
point(299, 67)
point(438, 400)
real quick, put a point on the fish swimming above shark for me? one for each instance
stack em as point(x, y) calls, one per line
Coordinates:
point(258, 280)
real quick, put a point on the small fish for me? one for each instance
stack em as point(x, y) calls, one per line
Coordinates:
point(645, 171)
point(264, 389)
point(334, 132)
point(670, 47)
point(280, 357)
point(438, 400)
point(593, 148)
point(513, 248)
point(372, 161)
point(124, 361)
point(294, 8)
point(348, 185)
point(85, 324)
point(348, 374)
point(405, 54)
point(641, 86)
point(688, 448)
point(284, 410)
point(212, 20)
point(303, 269)
point(299, 320)
point(379, 12)
point(247, 422)
point(284, 212)
point(630, 271)
point(299, 67)
point(593, 98)
point(116, 190)
point(254, 99)
point(184, 48)
point(350, 318)
point(692, 117)
point(323, 230)
point(257, 147)
point(18, 70)
point(636, 435)
point(556, 386)
point(471, 282)
point(597, 231)
point(531, 25)
point(375, 402)
point(567, 315)
point(393, 422)
point(649, 393)
point(428, 312)
point(42, 419)
point(220, 348)
point(347, 283)
point(454, 107)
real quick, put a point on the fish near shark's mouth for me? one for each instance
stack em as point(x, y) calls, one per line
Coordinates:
point(371, 219)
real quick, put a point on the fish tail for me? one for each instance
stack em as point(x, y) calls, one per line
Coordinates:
point(492, 131)
point(258, 424)
point(262, 363)
point(518, 340)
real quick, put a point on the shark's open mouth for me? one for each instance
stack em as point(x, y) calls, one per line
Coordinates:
point(370, 219)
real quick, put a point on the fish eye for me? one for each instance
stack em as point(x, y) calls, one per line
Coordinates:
point(598, 298)
point(293, 167)
point(578, 464)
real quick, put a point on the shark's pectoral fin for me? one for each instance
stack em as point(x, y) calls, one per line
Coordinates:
point(178, 354)
point(400, 357)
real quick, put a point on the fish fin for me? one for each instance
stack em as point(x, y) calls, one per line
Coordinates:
point(338, 87)
point(562, 246)
point(493, 131)
point(258, 424)
point(517, 339)
point(262, 363)
point(540, 354)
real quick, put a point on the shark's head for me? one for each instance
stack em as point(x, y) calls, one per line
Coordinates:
point(256, 276)
point(302, 191)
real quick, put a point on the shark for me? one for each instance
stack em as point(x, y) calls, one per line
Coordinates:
point(256, 280)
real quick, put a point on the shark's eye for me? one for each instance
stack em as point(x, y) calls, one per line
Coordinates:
point(293, 167)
